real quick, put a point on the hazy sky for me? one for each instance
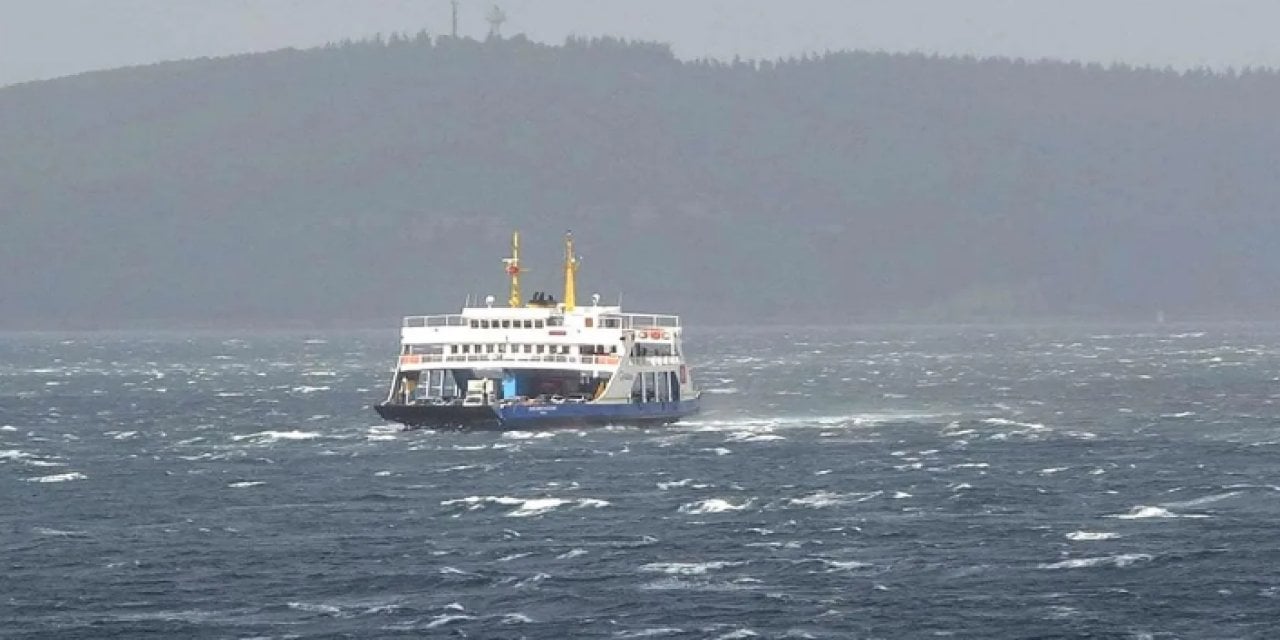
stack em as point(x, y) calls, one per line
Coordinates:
point(49, 38)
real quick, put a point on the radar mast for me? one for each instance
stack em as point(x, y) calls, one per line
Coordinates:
point(570, 273)
point(513, 270)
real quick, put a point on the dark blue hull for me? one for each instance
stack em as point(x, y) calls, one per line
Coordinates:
point(539, 416)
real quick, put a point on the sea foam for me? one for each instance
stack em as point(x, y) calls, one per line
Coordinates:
point(713, 505)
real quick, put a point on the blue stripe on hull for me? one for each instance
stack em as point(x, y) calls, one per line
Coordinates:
point(537, 416)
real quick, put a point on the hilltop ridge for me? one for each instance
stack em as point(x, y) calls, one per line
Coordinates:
point(365, 180)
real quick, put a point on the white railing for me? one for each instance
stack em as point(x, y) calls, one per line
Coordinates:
point(428, 358)
point(450, 320)
point(640, 320)
point(656, 361)
point(623, 320)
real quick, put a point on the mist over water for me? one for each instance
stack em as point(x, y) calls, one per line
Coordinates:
point(966, 482)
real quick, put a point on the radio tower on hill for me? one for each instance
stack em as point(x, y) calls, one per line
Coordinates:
point(455, 18)
point(496, 17)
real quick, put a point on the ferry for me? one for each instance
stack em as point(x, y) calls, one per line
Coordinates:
point(540, 363)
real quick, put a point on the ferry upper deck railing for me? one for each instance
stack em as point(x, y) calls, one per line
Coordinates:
point(560, 358)
point(637, 320)
point(446, 320)
point(623, 320)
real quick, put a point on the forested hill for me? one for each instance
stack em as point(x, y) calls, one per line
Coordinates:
point(364, 181)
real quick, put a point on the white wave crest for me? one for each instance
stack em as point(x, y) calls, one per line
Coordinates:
point(1090, 536)
point(537, 506)
point(649, 633)
point(528, 435)
point(1141, 512)
point(268, 437)
point(441, 620)
point(16, 455)
point(46, 531)
point(739, 634)
point(844, 565)
point(712, 505)
point(803, 421)
point(819, 500)
point(246, 484)
point(752, 436)
point(1005, 422)
point(326, 609)
point(1195, 502)
point(1122, 560)
point(687, 568)
point(61, 477)
point(527, 506)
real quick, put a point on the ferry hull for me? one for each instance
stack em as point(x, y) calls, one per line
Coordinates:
point(545, 416)
point(442, 417)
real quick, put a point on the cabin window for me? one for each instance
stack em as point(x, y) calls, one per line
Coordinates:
point(613, 349)
point(488, 348)
point(538, 324)
point(453, 348)
point(484, 324)
point(589, 322)
point(542, 349)
point(611, 323)
point(475, 324)
point(555, 321)
point(528, 348)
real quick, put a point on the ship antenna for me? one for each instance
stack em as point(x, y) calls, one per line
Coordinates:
point(570, 273)
point(513, 270)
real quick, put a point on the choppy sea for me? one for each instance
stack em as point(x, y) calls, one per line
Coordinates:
point(1050, 482)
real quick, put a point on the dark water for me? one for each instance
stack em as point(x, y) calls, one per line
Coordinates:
point(971, 483)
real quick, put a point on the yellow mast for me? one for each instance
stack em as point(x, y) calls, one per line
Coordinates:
point(513, 270)
point(570, 272)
